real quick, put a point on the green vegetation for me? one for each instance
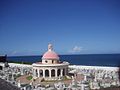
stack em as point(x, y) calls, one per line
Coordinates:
point(50, 81)
point(17, 76)
point(65, 78)
point(29, 77)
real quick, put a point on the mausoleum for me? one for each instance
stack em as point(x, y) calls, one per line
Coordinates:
point(51, 68)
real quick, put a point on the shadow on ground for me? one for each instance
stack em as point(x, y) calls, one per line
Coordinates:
point(4, 85)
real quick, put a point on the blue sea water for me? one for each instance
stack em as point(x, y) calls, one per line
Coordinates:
point(84, 59)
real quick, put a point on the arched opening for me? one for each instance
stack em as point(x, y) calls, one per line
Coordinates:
point(36, 73)
point(46, 61)
point(1, 67)
point(52, 61)
point(63, 72)
point(46, 73)
point(52, 73)
point(58, 72)
point(41, 73)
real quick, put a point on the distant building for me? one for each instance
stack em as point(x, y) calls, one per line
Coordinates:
point(51, 68)
point(3, 62)
point(3, 58)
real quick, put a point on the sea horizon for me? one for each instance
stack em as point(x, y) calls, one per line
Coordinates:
point(112, 60)
point(63, 54)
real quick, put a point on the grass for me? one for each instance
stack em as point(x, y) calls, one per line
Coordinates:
point(29, 77)
point(50, 81)
point(17, 76)
point(63, 79)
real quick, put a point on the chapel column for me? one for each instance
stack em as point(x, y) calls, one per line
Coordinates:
point(61, 73)
point(34, 73)
point(43, 73)
point(49, 73)
point(56, 72)
point(65, 71)
point(38, 72)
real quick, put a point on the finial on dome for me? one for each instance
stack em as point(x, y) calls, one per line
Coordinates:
point(50, 47)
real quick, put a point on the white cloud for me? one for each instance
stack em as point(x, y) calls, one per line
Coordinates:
point(76, 49)
point(13, 53)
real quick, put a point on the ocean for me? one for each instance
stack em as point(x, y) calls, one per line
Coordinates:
point(83, 59)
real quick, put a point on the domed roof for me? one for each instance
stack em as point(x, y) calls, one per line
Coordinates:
point(50, 54)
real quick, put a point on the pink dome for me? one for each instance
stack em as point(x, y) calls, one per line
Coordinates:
point(50, 55)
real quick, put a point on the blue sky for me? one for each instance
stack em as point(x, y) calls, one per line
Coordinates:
point(72, 26)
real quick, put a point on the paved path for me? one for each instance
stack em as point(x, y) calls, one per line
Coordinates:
point(4, 85)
